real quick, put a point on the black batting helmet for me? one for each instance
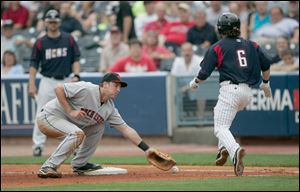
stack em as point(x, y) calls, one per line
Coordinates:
point(229, 24)
point(52, 15)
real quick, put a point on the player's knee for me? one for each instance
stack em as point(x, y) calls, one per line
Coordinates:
point(216, 131)
point(80, 136)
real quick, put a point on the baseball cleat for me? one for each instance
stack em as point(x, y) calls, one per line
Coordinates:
point(37, 152)
point(238, 161)
point(222, 156)
point(48, 172)
point(86, 168)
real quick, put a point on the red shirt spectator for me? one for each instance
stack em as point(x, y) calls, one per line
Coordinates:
point(128, 64)
point(154, 50)
point(17, 13)
point(135, 62)
point(161, 21)
point(155, 25)
point(176, 31)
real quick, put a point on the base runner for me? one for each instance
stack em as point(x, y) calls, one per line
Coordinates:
point(240, 63)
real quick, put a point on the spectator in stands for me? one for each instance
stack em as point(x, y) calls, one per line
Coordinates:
point(87, 16)
point(17, 13)
point(279, 26)
point(115, 50)
point(141, 21)
point(10, 65)
point(214, 11)
point(174, 33)
point(202, 33)
point(69, 24)
point(152, 48)
point(188, 63)
point(157, 25)
point(125, 19)
point(33, 15)
point(8, 37)
point(136, 62)
point(288, 63)
point(258, 19)
point(282, 43)
point(293, 10)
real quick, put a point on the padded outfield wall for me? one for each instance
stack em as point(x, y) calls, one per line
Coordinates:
point(151, 104)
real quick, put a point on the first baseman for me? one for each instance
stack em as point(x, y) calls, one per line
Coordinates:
point(57, 55)
point(240, 63)
point(77, 115)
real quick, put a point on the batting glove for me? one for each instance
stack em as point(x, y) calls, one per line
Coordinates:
point(266, 88)
point(194, 84)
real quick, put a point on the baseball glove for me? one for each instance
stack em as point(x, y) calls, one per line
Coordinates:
point(160, 160)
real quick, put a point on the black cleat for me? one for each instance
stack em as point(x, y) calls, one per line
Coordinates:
point(222, 156)
point(37, 152)
point(86, 168)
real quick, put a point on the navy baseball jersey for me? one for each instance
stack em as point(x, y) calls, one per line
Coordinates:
point(237, 59)
point(56, 55)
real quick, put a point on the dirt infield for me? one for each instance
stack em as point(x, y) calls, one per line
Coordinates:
point(25, 175)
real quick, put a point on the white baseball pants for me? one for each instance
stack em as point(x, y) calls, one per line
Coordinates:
point(232, 98)
point(45, 94)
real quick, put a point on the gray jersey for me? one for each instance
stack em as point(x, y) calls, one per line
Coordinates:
point(86, 96)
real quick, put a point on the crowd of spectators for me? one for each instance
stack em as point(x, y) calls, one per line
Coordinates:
point(141, 36)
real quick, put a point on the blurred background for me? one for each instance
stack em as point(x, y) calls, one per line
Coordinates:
point(173, 35)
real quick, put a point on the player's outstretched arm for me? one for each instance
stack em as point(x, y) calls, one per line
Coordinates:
point(129, 133)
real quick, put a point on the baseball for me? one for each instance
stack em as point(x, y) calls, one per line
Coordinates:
point(175, 169)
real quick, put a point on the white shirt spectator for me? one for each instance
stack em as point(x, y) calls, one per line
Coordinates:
point(180, 68)
point(284, 28)
point(14, 70)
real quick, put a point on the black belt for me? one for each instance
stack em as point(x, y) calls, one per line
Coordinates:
point(230, 82)
point(58, 77)
point(235, 83)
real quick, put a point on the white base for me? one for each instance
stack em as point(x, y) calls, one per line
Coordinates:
point(106, 171)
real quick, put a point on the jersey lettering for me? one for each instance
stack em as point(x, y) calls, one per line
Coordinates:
point(93, 115)
point(242, 58)
point(55, 53)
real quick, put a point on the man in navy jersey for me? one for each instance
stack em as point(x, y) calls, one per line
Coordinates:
point(240, 63)
point(57, 55)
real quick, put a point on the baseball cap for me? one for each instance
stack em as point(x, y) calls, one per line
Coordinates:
point(184, 6)
point(115, 29)
point(52, 15)
point(113, 77)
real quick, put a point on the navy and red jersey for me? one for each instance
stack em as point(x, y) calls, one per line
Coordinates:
point(238, 60)
point(56, 55)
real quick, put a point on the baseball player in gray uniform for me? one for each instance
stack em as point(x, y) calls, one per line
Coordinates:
point(77, 115)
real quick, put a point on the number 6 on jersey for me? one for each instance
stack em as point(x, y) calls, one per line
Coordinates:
point(242, 57)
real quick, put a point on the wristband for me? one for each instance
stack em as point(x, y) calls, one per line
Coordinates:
point(265, 81)
point(143, 146)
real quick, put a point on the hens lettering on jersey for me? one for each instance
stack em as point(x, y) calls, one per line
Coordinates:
point(55, 53)
point(93, 115)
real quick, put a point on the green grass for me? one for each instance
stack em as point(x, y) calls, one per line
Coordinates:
point(271, 183)
point(272, 160)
